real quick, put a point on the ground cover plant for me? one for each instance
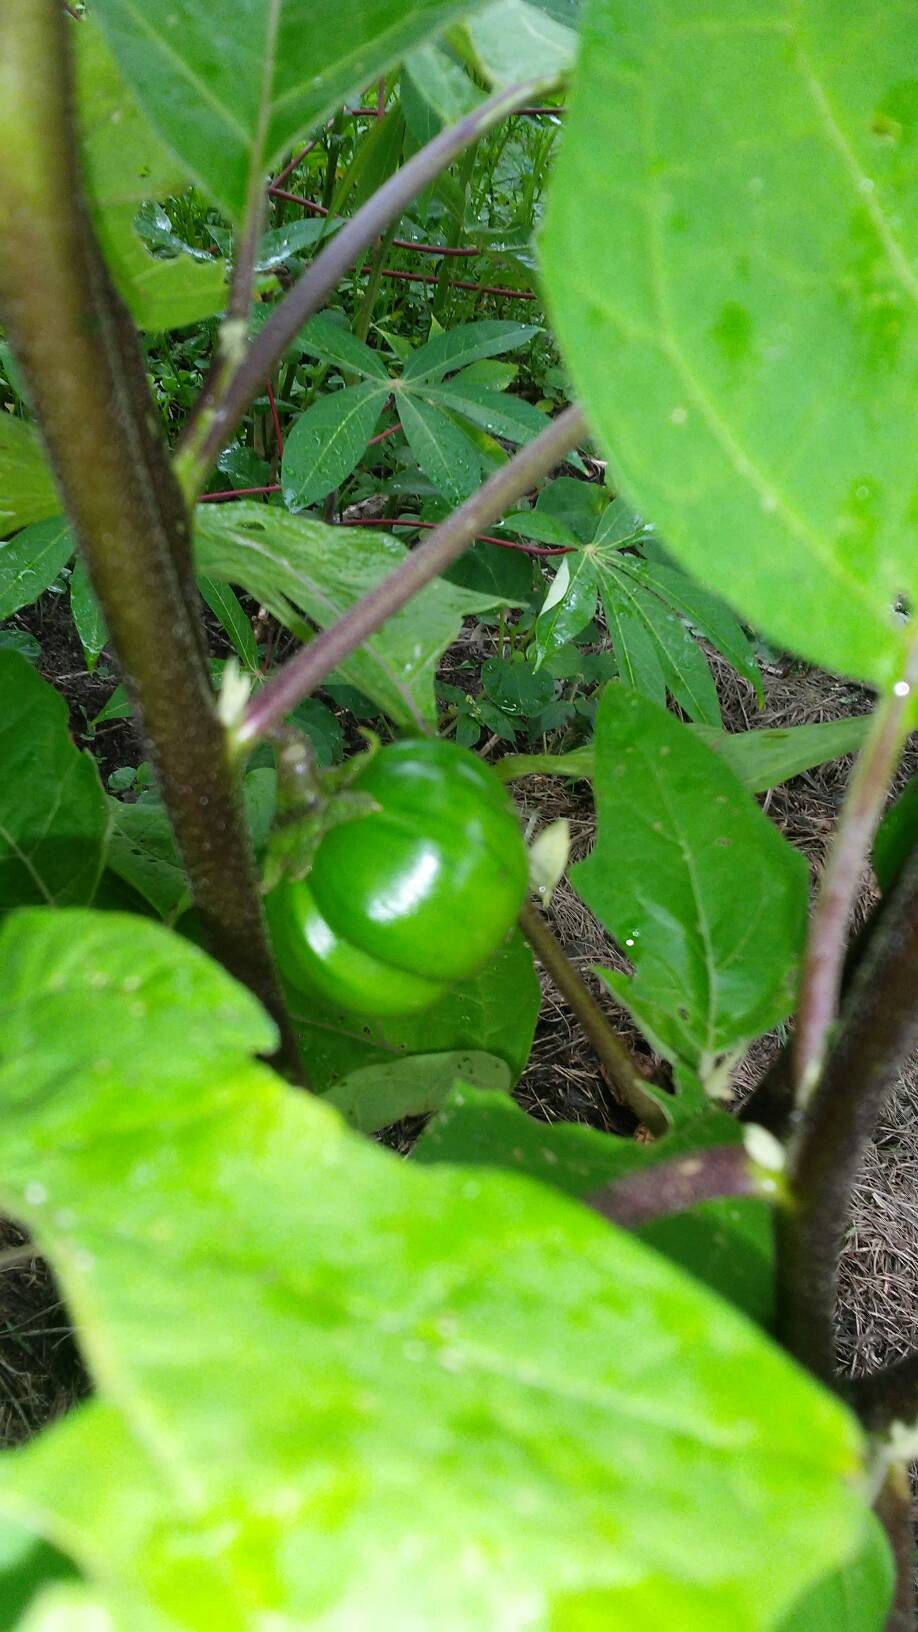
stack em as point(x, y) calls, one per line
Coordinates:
point(402, 403)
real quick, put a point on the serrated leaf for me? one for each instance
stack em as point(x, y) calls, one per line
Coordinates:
point(298, 567)
point(327, 443)
point(748, 367)
point(379, 1311)
point(230, 89)
point(31, 561)
point(53, 816)
point(445, 454)
point(27, 490)
point(455, 348)
point(704, 895)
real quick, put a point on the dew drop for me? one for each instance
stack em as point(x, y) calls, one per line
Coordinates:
point(901, 688)
point(678, 416)
point(35, 1194)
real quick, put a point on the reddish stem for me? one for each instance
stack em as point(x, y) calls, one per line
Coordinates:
point(294, 163)
point(239, 493)
point(457, 283)
point(398, 243)
point(481, 538)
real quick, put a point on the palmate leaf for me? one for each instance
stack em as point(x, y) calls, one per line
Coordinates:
point(456, 348)
point(749, 366)
point(301, 569)
point(676, 656)
point(444, 1364)
point(328, 442)
point(445, 455)
point(704, 895)
point(231, 87)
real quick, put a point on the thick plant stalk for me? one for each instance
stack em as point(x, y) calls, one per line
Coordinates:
point(76, 345)
point(626, 1082)
point(673, 1187)
point(446, 543)
point(878, 1032)
point(825, 956)
point(224, 401)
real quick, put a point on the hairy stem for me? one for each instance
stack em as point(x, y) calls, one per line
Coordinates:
point(79, 353)
point(317, 660)
point(863, 807)
point(222, 404)
point(626, 1082)
point(684, 1181)
point(878, 1031)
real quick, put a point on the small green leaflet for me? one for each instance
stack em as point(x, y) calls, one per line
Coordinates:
point(700, 891)
point(31, 561)
point(27, 490)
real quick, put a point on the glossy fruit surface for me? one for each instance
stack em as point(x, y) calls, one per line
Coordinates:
point(404, 902)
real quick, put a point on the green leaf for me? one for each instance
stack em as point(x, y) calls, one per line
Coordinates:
point(709, 614)
point(435, 91)
point(445, 454)
point(231, 88)
point(31, 561)
point(53, 813)
point(512, 418)
point(327, 442)
point(294, 562)
point(704, 895)
point(126, 164)
point(495, 1012)
point(87, 615)
point(27, 490)
point(511, 40)
point(748, 367)
point(226, 608)
point(897, 836)
point(579, 505)
point(323, 337)
point(543, 526)
point(377, 1095)
point(856, 1598)
point(276, 1361)
point(505, 575)
point(20, 641)
point(143, 852)
point(569, 605)
point(516, 687)
point(455, 348)
point(726, 1244)
point(677, 657)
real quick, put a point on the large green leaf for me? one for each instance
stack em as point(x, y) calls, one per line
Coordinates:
point(512, 40)
point(703, 894)
point(316, 1364)
point(446, 456)
point(457, 348)
point(294, 562)
point(376, 1095)
point(127, 163)
point(53, 816)
point(727, 1244)
point(31, 561)
point(27, 490)
point(231, 87)
point(727, 263)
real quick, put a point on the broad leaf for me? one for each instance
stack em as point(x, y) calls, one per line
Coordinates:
point(27, 490)
point(897, 836)
point(376, 1095)
point(856, 1598)
point(446, 456)
point(230, 88)
point(434, 91)
point(511, 40)
point(31, 561)
point(703, 894)
point(126, 164)
point(727, 263)
point(328, 442)
point(567, 1409)
point(53, 816)
point(496, 1012)
point(294, 564)
point(726, 1244)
